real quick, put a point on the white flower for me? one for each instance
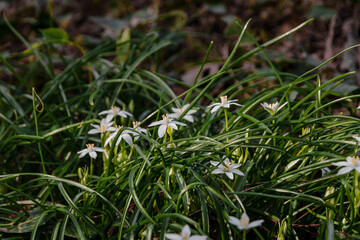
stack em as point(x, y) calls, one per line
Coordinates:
point(91, 150)
point(244, 222)
point(111, 113)
point(272, 108)
point(167, 121)
point(348, 165)
point(357, 138)
point(123, 135)
point(103, 127)
point(178, 111)
point(138, 129)
point(224, 103)
point(184, 235)
point(229, 169)
point(358, 107)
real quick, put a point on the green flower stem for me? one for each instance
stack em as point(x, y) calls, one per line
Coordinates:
point(226, 129)
point(170, 133)
point(356, 192)
point(91, 168)
point(165, 137)
point(131, 151)
point(244, 234)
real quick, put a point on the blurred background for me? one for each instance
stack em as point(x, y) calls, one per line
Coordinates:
point(191, 25)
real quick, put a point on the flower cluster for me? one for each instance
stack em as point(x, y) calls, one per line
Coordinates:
point(107, 125)
point(114, 134)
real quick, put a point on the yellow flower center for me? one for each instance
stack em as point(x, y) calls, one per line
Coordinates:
point(227, 166)
point(223, 100)
point(102, 127)
point(165, 118)
point(272, 105)
point(118, 128)
point(115, 109)
point(185, 237)
point(136, 124)
point(90, 146)
point(244, 221)
point(355, 161)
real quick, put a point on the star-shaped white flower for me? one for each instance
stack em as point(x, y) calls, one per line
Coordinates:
point(91, 150)
point(348, 165)
point(138, 129)
point(272, 108)
point(224, 103)
point(178, 111)
point(123, 135)
point(229, 169)
point(114, 111)
point(164, 123)
point(103, 127)
point(244, 222)
point(184, 235)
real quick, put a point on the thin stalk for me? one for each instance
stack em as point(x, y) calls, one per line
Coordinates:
point(91, 168)
point(226, 129)
point(37, 130)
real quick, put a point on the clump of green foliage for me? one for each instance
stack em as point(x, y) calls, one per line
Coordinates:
point(280, 145)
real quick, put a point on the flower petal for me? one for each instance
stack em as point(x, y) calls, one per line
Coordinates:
point(185, 231)
point(162, 130)
point(106, 112)
point(128, 139)
point(174, 115)
point(173, 236)
point(214, 163)
point(108, 140)
point(235, 221)
point(356, 138)
point(344, 170)
point(215, 109)
point(198, 237)
point(98, 149)
point(236, 171)
point(156, 123)
point(230, 175)
point(235, 165)
point(109, 117)
point(178, 123)
point(278, 109)
point(83, 154)
point(255, 223)
point(236, 104)
point(93, 154)
point(340, 164)
point(218, 171)
point(215, 104)
point(189, 118)
point(94, 131)
point(173, 125)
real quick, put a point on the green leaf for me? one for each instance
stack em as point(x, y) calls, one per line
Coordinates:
point(319, 11)
point(28, 225)
point(55, 34)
